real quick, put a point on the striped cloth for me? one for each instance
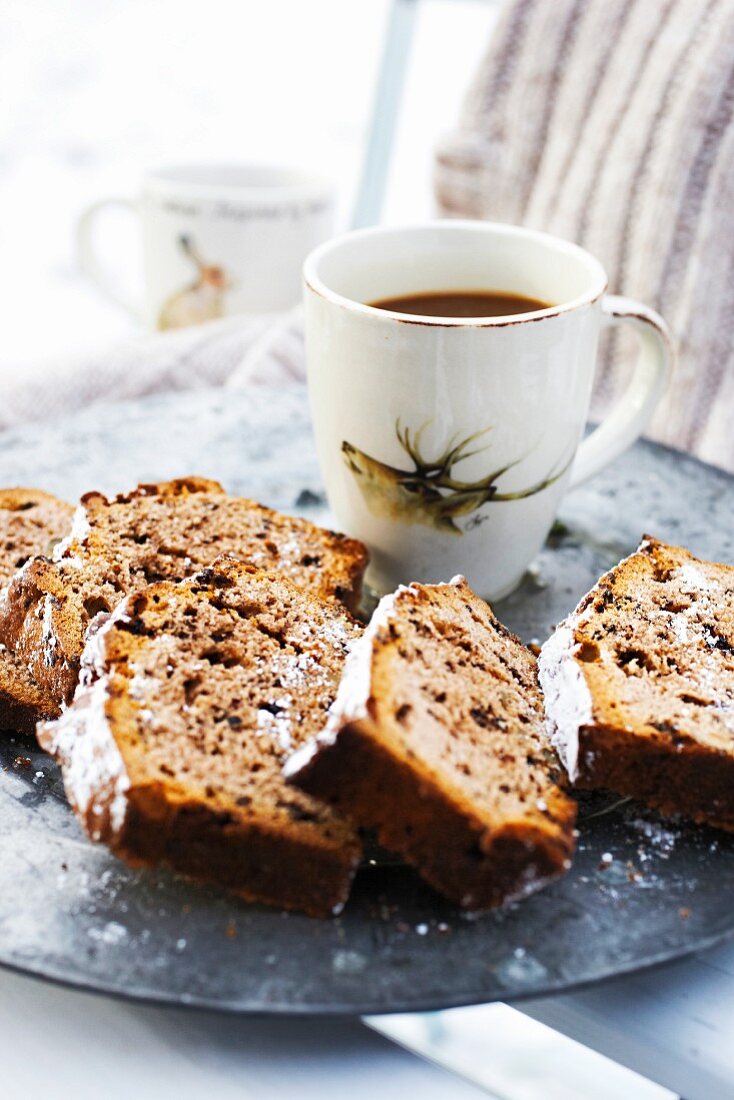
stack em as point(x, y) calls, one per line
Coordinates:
point(610, 122)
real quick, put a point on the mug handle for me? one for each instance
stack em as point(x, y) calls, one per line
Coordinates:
point(88, 258)
point(629, 417)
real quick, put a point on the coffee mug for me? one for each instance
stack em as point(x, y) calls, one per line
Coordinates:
point(447, 443)
point(217, 240)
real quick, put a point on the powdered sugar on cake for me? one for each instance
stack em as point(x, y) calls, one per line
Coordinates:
point(49, 639)
point(354, 689)
point(567, 697)
point(693, 580)
point(568, 704)
point(277, 722)
point(93, 659)
point(355, 686)
point(80, 528)
point(94, 772)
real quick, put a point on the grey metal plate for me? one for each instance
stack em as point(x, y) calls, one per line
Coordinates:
point(71, 912)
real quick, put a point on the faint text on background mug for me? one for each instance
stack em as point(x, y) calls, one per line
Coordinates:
point(447, 443)
point(217, 240)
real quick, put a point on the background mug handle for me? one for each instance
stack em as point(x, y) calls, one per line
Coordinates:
point(630, 415)
point(88, 258)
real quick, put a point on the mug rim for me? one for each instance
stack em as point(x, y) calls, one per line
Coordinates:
point(313, 281)
point(287, 182)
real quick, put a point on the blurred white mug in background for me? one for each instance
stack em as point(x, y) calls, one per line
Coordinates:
point(217, 240)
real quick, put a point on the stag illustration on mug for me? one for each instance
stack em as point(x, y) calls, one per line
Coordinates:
point(430, 494)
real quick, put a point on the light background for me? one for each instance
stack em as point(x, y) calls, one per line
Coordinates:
point(92, 92)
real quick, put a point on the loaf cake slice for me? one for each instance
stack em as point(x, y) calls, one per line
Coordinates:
point(436, 740)
point(157, 532)
point(31, 522)
point(190, 697)
point(639, 684)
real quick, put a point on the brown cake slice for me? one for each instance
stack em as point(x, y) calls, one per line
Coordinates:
point(639, 684)
point(157, 532)
point(31, 522)
point(437, 741)
point(190, 698)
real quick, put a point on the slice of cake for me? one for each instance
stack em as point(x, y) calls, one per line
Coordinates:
point(191, 696)
point(31, 522)
point(437, 741)
point(639, 684)
point(157, 532)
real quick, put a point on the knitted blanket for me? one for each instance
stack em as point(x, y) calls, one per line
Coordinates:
point(610, 122)
point(235, 352)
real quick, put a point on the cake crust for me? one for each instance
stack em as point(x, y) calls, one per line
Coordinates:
point(639, 684)
point(436, 741)
point(31, 522)
point(172, 750)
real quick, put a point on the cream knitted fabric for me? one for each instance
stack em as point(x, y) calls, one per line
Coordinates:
point(610, 122)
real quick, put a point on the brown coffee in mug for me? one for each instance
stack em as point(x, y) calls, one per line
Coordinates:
point(461, 303)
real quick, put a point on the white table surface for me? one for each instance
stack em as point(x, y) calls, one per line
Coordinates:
point(65, 1045)
point(674, 1025)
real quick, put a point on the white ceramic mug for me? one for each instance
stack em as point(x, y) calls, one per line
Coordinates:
point(447, 443)
point(217, 240)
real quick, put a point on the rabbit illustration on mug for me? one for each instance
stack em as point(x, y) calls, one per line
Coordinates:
point(202, 300)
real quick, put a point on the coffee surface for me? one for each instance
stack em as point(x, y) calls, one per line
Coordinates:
point(461, 303)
